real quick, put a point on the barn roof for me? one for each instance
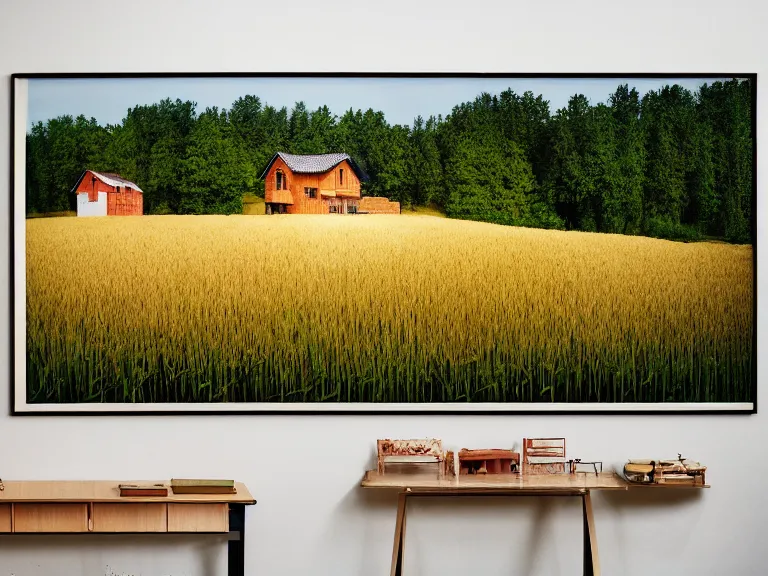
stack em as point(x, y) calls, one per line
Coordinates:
point(315, 163)
point(109, 179)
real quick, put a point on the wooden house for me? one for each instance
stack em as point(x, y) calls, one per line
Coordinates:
point(317, 184)
point(105, 194)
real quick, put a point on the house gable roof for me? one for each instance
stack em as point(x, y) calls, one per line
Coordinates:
point(109, 179)
point(315, 163)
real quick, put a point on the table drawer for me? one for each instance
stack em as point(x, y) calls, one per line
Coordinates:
point(198, 517)
point(5, 518)
point(50, 518)
point(130, 517)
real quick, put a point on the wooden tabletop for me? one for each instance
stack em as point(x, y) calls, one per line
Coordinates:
point(578, 483)
point(107, 491)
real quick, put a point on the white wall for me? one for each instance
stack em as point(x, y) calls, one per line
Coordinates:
point(311, 518)
point(87, 208)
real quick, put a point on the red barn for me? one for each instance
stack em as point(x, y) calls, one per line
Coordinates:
point(317, 184)
point(105, 194)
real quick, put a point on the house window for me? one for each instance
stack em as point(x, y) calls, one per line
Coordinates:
point(280, 183)
point(341, 176)
point(310, 192)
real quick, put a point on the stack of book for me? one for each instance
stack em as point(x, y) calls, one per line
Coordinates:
point(202, 486)
point(145, 490)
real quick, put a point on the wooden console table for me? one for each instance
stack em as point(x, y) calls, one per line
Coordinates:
point(96, 507)
point(422, 485)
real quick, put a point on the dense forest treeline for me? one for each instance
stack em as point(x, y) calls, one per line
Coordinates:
point(674, 163)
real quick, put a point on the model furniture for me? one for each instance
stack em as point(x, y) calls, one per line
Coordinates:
point(670, 473)
point(96, 507)
point(427, 454)
point(544, 456)
point(491, 461)
point(573, 465)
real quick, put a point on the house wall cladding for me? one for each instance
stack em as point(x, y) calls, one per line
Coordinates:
point(125, 203)
point(270, 182)
point(302, 204)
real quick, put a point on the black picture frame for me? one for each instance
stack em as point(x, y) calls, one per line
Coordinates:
point(19, 406)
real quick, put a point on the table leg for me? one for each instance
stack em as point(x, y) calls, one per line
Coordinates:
point(236, 548)
point(399, 544)
point(591, 559)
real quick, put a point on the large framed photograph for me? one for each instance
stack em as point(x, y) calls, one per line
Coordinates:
point(383, 243)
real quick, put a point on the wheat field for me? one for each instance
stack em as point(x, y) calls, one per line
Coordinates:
point(379, 309)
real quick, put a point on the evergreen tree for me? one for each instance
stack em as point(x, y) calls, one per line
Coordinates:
point(215, 171)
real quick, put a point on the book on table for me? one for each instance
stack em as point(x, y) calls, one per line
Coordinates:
point(202, 486)
point(146, 490)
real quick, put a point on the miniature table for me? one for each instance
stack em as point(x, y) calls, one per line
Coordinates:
point(423, 485)
point(96, 507)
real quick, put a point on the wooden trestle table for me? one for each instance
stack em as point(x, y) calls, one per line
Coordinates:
point(578, 485)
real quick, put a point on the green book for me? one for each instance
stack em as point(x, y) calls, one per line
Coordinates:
point(194, 482)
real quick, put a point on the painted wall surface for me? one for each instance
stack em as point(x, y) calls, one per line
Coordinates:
point(312, 519)
point(126, 202)
point(95, 207)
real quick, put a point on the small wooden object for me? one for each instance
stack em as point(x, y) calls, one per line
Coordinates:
point(544, 456)
point(680, 472)
point(491, 461)
point(574, 464)
point(202, 486)
point(143, 490)
point(424, 454)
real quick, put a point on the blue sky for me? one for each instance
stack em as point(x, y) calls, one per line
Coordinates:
point(401, 99)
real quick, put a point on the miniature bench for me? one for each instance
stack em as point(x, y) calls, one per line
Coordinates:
point(425, 454)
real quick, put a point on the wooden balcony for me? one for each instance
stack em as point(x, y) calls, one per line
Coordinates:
point(278, 196)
